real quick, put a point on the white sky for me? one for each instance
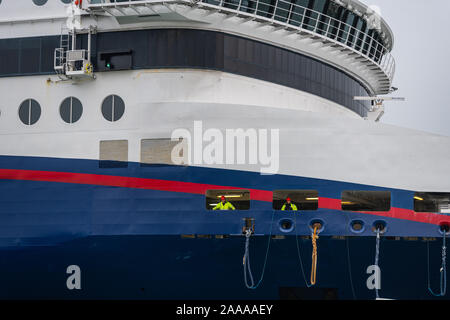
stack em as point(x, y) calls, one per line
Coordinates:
point(422, 51)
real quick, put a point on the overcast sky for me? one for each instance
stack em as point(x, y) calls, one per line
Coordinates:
point(422, 51)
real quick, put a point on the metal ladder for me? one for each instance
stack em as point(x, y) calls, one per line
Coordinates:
point(61, 52)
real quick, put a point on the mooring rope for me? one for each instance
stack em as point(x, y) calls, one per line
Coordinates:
point(246, 258)
point(443, 270)
point(314, 237)
point(350, 268)
point(298, 253)
point(377, 254)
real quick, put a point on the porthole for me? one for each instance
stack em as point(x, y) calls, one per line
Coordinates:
point(357, 226)
point(379, 225)
point(113, 108)
point(444, 226)
point(66, 1)
point(286, 225)
point(71, 110)
point(39, 2)
point(317, 223)
point(29, 111)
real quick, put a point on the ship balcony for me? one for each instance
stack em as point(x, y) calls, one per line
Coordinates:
point(360, 45)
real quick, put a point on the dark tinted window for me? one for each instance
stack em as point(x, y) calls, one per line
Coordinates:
point(436, 202)
point(319, 5)
point(298, 11)
point(71, 110)
point(29, 111)
point(9, 53)
point(366, 200)
point(239, 199)
point(282, 11)
point(302, 199)
point(113, 108)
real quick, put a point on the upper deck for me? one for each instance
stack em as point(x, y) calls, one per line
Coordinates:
point(346, 34)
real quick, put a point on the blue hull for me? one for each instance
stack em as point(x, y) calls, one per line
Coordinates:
point(127, 240)
point(169, 267)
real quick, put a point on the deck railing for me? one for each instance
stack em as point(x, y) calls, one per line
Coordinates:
point(365, 43)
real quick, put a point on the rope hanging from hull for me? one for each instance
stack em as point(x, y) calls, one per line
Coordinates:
point(377, 255)
point(314, 237)
point(299, 255)
point(443, 270)
point(246, 259)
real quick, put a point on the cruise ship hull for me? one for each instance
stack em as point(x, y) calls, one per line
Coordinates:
point(136, 236)
point(169, 267)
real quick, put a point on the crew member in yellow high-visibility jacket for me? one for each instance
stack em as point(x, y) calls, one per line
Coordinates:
point(224, 205)
point(288, 205)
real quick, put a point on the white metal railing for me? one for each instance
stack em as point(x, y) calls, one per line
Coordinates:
point(59, 59)
point(292, 16)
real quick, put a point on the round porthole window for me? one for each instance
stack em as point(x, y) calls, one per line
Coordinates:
point(286, 225)
point(66, 1)
point(71, 110)
point(113, 108)
point(357, 226)
point(39, 2)
point(29, 111)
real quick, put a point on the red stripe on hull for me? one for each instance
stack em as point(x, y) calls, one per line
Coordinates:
point(197, 188)
point(124, 182)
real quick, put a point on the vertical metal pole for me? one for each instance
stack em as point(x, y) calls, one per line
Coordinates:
point(303, 17)
point(89, 46)
point(74, 39)
point(348, 34)
point(356, 38)
point(274, 10)
point(328, 27)
point(317, 22)
point(291, 8)
point(370, 46)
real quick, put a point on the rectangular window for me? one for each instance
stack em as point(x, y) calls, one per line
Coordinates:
point(297, 12)
point(366, 200)
point(436, 202)
point(237, 199)
point(300, 199)
point(9, 53)
point(30, 49)
point(113, 154)
point(282, 11)
point(159, 151)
